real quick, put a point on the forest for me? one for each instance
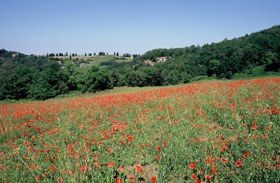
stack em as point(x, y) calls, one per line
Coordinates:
point(42, 77)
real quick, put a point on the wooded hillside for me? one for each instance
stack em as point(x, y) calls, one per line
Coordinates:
point(36, 77)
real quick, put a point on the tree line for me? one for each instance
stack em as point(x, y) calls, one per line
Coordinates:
point(101, 53)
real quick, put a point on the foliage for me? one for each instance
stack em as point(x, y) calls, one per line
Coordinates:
point(221, 60)
point(38, 77)
point(50, 82)
point(41, 78)
point(94, 79)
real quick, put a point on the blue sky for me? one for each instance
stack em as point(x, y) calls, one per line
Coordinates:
point(133, 26)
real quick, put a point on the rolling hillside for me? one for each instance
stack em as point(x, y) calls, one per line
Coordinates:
point(38, 77)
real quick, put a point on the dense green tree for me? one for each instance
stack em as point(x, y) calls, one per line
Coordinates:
point(136, 78)
point(94, 79)
point(152, 75)
point(50, 82)
point(16, 84)
point(213, 67)
point(70, 71)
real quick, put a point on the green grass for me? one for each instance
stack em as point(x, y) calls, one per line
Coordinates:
point(96, 60)
point(214, 131)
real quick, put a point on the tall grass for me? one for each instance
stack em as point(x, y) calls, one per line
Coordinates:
point(203, 132)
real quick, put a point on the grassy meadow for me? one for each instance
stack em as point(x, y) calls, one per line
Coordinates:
point(95, 59)
point(215, 131)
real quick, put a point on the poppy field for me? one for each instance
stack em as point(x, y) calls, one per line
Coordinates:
point(215, 131)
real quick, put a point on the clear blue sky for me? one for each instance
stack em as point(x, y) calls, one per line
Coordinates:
point(133, 26)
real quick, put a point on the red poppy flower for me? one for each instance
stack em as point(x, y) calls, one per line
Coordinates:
point(158, 148)
point(139, 168)
point(192, 166)
point(225, 160)
point(129, 138)
point(111, 164)
point(154, 179)
point(214, 171)
point(193, 176)
point(224, 148)
point(208, 177)
point(53, 168)
point(83, 169)
point(38, 177)
point(121, 168)
point(119, 180)
point(239, 163)
point(157, 157)
point(199, 181)
point(131, 179)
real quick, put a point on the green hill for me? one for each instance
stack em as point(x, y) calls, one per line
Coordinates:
point(255, 52)
point(41, 77)
point(94, 60)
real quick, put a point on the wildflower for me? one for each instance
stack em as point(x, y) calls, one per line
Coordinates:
point(210, 160)
point(245, 154)
point(71, 172)
point(208, 177)
point(193, 176)
point(121, 168)
point(158, 148)
point(239, 163)
point(192, 166)
point(157, 157)
point(110, 150)
point(129, 138)
point(32, 166)
point(70, 147)
point(139, 168)
point(111, 164)
point(119, 180)
point(98, 165)
point(154, 179)
point(53, 168)
point(83, 168)
point(131, 179)
point(199, 181)
point(76, 156)
point(214, 171)
point(225, 160)
point(38, 177)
